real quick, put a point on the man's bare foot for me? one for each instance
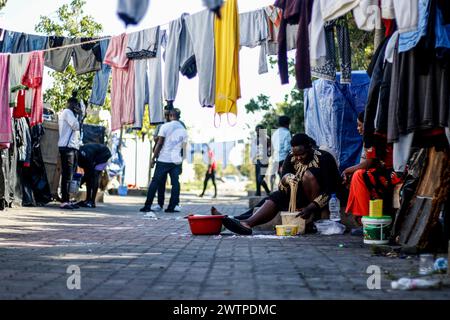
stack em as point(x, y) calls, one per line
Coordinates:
point(215, 212)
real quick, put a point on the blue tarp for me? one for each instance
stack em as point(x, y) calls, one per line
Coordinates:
point(331, 110)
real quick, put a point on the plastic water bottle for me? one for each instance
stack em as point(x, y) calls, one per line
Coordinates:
point(410, 284)
point(335, 208)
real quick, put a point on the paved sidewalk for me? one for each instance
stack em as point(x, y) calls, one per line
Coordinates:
point(124, 254)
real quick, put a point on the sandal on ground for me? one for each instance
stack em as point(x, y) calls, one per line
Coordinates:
point(235, 226)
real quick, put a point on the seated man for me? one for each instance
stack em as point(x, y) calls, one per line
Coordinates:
point(92, 158)
point(371, 179)
point(317, 177)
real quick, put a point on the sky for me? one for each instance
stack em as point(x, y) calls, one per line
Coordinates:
point(23, 15)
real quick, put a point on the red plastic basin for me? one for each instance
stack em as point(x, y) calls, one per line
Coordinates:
point(205, 225)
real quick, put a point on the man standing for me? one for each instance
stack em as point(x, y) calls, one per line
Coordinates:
point(162, 187)
point(172, 138)
point(69, 142)
point(281, 142)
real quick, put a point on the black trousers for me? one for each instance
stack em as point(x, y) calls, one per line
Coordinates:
point(160, 174)
point(259, 175)
point(92, 177)
point(162, 191)
point(209, 176)
point(68, 166)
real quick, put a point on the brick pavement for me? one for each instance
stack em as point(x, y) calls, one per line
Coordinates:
point(124, 254)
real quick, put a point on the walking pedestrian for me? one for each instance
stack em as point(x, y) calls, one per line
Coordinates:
point(210, 173)
point(172, 138)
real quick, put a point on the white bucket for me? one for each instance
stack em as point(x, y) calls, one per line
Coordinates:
point(377, 229)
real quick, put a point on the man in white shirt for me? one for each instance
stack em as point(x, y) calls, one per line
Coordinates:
point(69, 142)
point(172, 138)
point(281, 142)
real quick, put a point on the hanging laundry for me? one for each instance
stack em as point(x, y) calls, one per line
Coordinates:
point(148, 76)
point(23, 140)
point(5, 113)
point(442, 30)
point(327, 69)
point(226, 40)
point(18, 42)
point(419, 96)
point(122, 88)
point(101, 79)
point(214, 6)
point(409, 40)
point(84, 58)
point(22, 108)
point(179, 57)
point(444, 7)
point(368, 15)
point(330, 113)
point(132, 11)
point(406, 15)
point(387, 9)
point(294, 12)
point(274, 16)
point(17, 66)
point(143, 44)
point(254, 31)
point(378, 95)
point(317, 50)
point(401, 151)
point(201, 31)
point(32, 78)
point(334, 9)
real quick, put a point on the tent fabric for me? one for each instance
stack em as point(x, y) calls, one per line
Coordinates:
point(331, 110)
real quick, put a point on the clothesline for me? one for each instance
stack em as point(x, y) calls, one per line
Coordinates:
point(65, 46)
point(103, 37)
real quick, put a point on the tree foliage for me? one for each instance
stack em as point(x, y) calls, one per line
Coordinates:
point(3, 4)
point(70, 21)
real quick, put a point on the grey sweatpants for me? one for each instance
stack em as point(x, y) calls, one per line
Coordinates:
point(201, 30)
point(179, 50)
point(148, 88)
point(254, 31)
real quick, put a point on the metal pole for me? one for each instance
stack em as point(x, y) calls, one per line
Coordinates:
point(135, 161)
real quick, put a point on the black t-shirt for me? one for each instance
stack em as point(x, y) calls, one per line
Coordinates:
point(325, 170)
point(92, 154)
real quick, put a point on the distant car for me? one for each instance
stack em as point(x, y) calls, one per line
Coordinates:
point(233, 182)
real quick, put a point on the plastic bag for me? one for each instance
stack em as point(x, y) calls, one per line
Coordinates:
point(329, 227)
point(410, 284)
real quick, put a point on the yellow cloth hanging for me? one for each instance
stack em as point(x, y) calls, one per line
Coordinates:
point(226, 41)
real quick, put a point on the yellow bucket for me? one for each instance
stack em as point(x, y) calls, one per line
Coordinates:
point(286, 230)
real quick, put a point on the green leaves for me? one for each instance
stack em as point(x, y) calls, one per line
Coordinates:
point(70, 21)
point(2, 4)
